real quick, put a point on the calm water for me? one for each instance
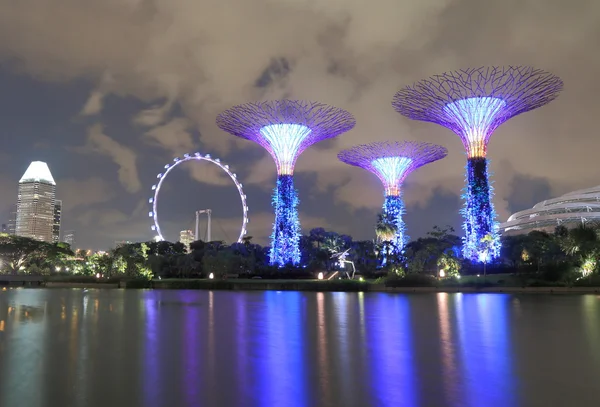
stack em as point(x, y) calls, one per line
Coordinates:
point(113, 348)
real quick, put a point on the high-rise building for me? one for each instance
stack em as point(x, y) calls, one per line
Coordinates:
point(57, 218)
point(35, 203)
point(12, 222)
point(186, 237)
point(69, 238)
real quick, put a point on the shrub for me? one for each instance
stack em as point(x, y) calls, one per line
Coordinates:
point(412, 280)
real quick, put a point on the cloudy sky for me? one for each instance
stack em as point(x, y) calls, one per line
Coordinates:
point(108, 91)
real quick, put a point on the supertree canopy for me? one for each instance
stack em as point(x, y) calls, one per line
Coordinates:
point(473, 103)
point(285, 128)
point(392, 162)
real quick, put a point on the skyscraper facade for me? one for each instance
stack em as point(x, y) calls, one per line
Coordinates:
point(57, 218)
point(69, 238)
point(186, 237)
point(35, 203)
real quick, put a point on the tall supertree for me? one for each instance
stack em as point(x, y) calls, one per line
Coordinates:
point(391, 162)
point(285, 128)
point(473, 103)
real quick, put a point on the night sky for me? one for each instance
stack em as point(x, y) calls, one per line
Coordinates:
point(109, 91)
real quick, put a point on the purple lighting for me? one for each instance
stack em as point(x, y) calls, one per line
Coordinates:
point(284, 141)
point(392, 162)
point(391, 171)
point(475, 117)
point(473, 103)
point(285, 128)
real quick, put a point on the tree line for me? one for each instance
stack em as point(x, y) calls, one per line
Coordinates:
point(565, 255)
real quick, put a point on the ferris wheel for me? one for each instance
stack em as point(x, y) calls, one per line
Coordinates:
point(195, 157)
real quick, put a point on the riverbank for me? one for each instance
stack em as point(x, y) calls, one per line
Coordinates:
point(396, 286)
point(351, 286)
point(312, 285)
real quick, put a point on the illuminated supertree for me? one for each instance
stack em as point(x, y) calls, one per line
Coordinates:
point(285, 128)
point(473, 103)
point(392, 162)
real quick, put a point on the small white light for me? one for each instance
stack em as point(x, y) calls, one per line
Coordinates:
point(442, 273)
point(211, 276)
point(97, 275)
point(320, 276)
point(153, 227)
point(176, 159)
point(186, 156)
point(153, 187)
point(158, 176)
point(150, 200)
point(167, 166)
point(150, 214)
point(207, 156)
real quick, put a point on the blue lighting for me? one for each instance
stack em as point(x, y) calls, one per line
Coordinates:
point(285, 240)
point(479, 215)
point(391, 350)
point(393, 208)
point(476, 118)
point(284, 144)
point(392, 171)
point(482, 324)
point(279, 371)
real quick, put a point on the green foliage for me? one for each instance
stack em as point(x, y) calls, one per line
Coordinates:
point(423, 254)
point(385, 228)
point(450, 264)
point(24, 255)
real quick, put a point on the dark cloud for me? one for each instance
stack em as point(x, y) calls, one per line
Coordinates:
point(154, 73)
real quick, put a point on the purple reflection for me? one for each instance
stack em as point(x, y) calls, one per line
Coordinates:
point(484, 332)
point(322, 350)
point(342, 338)
point(390, 350)
point(151, 382)
point(282, 369)
point(243, 367)
point(450, 365)
point(191, 360)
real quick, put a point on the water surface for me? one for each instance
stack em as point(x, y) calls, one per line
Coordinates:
point(98, 348)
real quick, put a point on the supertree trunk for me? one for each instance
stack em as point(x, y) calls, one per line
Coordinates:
point(478, 212)
point(393, 208)
point(286, 228)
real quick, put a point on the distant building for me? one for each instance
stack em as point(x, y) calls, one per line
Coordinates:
point(186, 237)
point(570, 210)
point(57, 218)
point(12, 221)
point(69, 238)
point(35, 203)
point(119, 243)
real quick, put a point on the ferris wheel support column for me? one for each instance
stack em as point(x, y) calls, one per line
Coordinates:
point(208, 213)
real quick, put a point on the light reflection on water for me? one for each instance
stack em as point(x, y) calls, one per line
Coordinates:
point(188, 348)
